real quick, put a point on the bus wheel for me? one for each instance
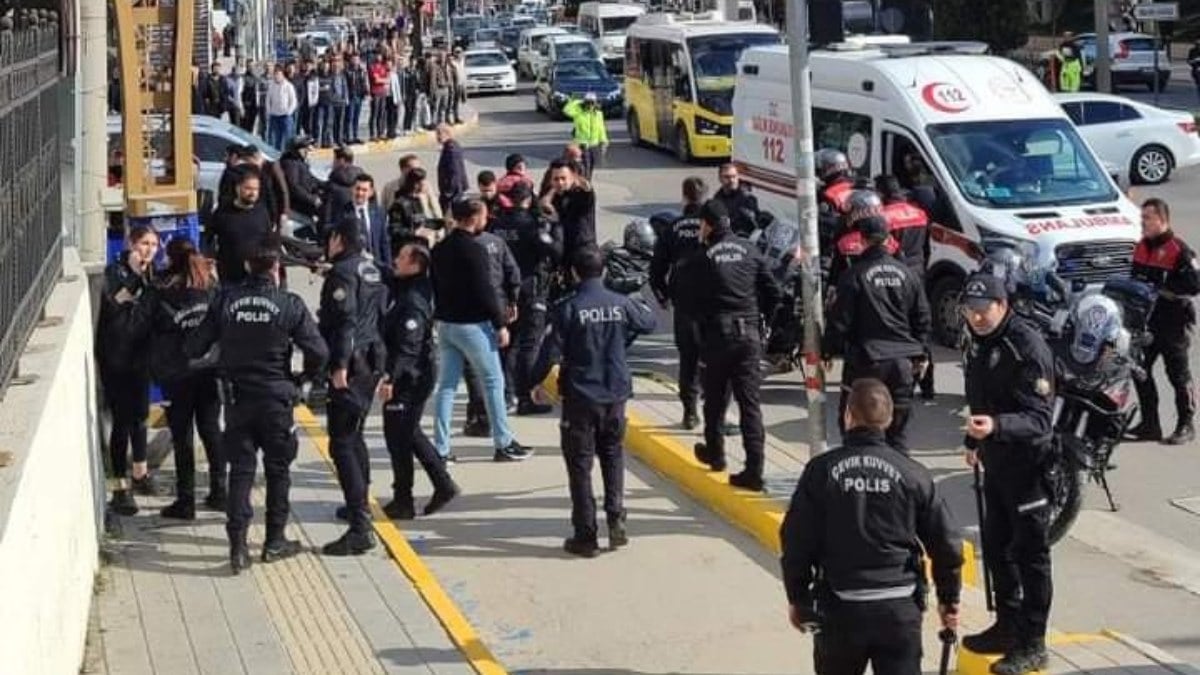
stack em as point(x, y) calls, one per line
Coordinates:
point(634, 128)
point(683, 149)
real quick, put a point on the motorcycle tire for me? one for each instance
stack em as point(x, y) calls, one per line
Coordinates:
point(1065, 482)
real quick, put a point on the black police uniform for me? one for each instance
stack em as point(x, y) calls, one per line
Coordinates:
point(879, 324)
point(411, 369)
point(852, 554)
point(537, 248)
point(506, 279)
point(742, 207)
point(254, 325)
point(738, 291)
point(352, 303)
point(1009, 376)
point(1170, 266)
point(591, 329)
point(674, 250)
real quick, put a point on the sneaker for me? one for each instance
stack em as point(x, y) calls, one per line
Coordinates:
point(513, 452)
point(441, 497)
point(179, 510)
point(511, 405)
point(279, 549)
point(239, 557)
point(1184, 433)
point(350, 543)
point(217, 500)
point(703, 456)
point(1026, 659)
point(997, 639)
point(531, 408)
point(400, 509)
point(146, 486)
point(1145, 432)
point(748, 481)
point(477, 429)
point(123, 503)
point(584, 548)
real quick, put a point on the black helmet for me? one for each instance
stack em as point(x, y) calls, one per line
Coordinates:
point(640, 237)
point(662, 220)
point(301, 142)
point(831, 163)
point(863, 204)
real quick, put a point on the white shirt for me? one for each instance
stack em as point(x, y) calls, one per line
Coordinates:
point(281, 98)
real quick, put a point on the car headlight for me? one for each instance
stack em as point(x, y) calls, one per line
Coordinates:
point(614, 94)
point(991, 240)
point(611, 50)
point(707, 127)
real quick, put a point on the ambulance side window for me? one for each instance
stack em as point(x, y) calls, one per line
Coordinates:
point(848, 132)
point(907, 163)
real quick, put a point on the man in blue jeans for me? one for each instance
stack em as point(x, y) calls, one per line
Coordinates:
point(472, 328)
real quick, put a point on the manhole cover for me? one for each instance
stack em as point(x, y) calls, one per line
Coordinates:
point(1189, 504)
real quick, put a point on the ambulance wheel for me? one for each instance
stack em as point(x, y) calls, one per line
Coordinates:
point(943, 300)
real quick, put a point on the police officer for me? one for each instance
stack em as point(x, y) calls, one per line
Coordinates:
point(254, 325)
point(591, 329)
point(849, 243)
point(739, 290)
point(1165, 261)
point(352, 302)
point(880, 325)
point(408, 381)
point(852, 541)
point(678, 247)
point(837, 182)
point(536, 246)
point(1009, 384)
point(744, 214)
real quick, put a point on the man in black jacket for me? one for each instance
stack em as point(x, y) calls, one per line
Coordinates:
point(572, 203)
point(304, 190)
point(340, 187)
point(360, 89)
point(744, 214)
point(451, 169)
point(853, 541)
point(255, 325)
point(240, 227)
point(880, 325)
point(352, 303)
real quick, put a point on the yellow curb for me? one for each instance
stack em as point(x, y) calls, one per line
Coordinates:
point(448, 614)
point(420, 139)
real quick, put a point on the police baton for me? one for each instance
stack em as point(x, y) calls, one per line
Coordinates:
point(979, 511)
point(948, 638)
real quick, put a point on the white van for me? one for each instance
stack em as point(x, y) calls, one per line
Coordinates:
point(605, 23)
point(978, 135)
point(529, 49)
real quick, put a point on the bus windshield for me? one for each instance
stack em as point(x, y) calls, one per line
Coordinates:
point(1021, 163)
point(714, 66)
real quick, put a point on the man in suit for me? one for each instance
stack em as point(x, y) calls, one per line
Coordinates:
point(371, 218)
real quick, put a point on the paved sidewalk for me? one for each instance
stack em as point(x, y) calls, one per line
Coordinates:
point(167, 604)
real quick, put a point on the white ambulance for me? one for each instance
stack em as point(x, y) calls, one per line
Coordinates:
point(978, 136)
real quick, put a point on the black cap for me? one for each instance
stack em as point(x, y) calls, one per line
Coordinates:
point(873, 228)
point(981, 289)
point(716, 215)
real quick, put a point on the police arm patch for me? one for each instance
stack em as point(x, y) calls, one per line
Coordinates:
point(1042, 387)
point(411, 324)
point(339, 294)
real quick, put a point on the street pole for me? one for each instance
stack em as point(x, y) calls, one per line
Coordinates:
point(1157, 46)
point(93, 140)
point(1103, 63)
point(806, 203)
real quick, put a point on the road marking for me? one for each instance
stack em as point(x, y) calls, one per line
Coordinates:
point(448, 614)
point(1189, 504)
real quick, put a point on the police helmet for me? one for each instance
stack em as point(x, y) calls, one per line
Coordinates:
point(301, 142)
point(1096, 324)
point(863, 204)
point(1006, 261)
point(640, 237)
point(831, 163)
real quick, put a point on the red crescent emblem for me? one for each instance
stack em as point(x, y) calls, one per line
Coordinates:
point(944, 97)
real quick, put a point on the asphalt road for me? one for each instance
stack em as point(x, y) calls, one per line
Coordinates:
point(1137, 570)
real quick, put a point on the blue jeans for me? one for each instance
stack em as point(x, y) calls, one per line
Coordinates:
point(279, 130)
point(354, 115)
point(476, 344)
point(323, 129)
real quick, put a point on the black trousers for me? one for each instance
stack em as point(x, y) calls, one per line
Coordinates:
point(885, 634)
point(346, 416)
point(897, 374)
point(377, 123)
point(732, 351)
point(1172, 344)
point(410, 111)
point(252, 424)
point(1016, 550)
point(127, 395)
point(528, 332)
point(195, 407)
point(405, 439)
point(687, 341)
point(591, 430)
point(392, 117)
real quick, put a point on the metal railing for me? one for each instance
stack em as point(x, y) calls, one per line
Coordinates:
point(30, 186)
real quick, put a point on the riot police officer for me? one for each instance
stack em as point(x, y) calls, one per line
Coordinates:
point(1165, 261)
point(744, 214)
point(849, 243)
point(1009, 384)
point(678, 247)
point(591, 329)
point(254, 325)
point(852, 541)
point(739, 290)
point(837, 182)
point(352, 302)
point(880, 325)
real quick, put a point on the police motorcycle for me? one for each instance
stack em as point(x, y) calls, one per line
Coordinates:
point(1098, 338)
point(779, 241)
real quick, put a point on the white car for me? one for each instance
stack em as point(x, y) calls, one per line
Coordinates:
point(489, 70)
point(1145, 142)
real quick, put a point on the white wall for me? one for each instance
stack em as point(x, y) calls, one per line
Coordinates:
point(48, 498)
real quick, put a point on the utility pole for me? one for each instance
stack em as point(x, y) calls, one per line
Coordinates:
point(1103, 63)
point(92, 84)
point(806, 202)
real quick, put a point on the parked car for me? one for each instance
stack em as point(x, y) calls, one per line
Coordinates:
point(1145, 141)
point(1132, 60)
point(489, 70)
point(575, 79)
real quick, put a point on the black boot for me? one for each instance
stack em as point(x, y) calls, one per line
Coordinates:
point(1147, 430)
point(531, 408)
point(146, 486)
point(617, 537)
point(714, 461)
point(999, 638)
point(180, 509)
point(123, 503)
point(239, 555)
point(441, 497)
point(748, 480)
point(690, 419)
point(1184, 433)
point(217, 498)
point(350, 543)
point(400, 508)
point(581, 546)
point(279, 547)
point(1027, 658)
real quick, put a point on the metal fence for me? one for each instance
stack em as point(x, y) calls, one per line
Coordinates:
point(30, 185)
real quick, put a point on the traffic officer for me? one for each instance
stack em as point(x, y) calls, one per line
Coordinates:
point(744, 215)
point(739, 290)
point(837, 182)
point(880, 325)
point(253, 327)
point(537, 247)
point(591, 329)
point(1009, 384)
point(853, 541)
point(352, 303)
point(588, 129)
point(408, 382)
point(1166, 262)
point(678, 247)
